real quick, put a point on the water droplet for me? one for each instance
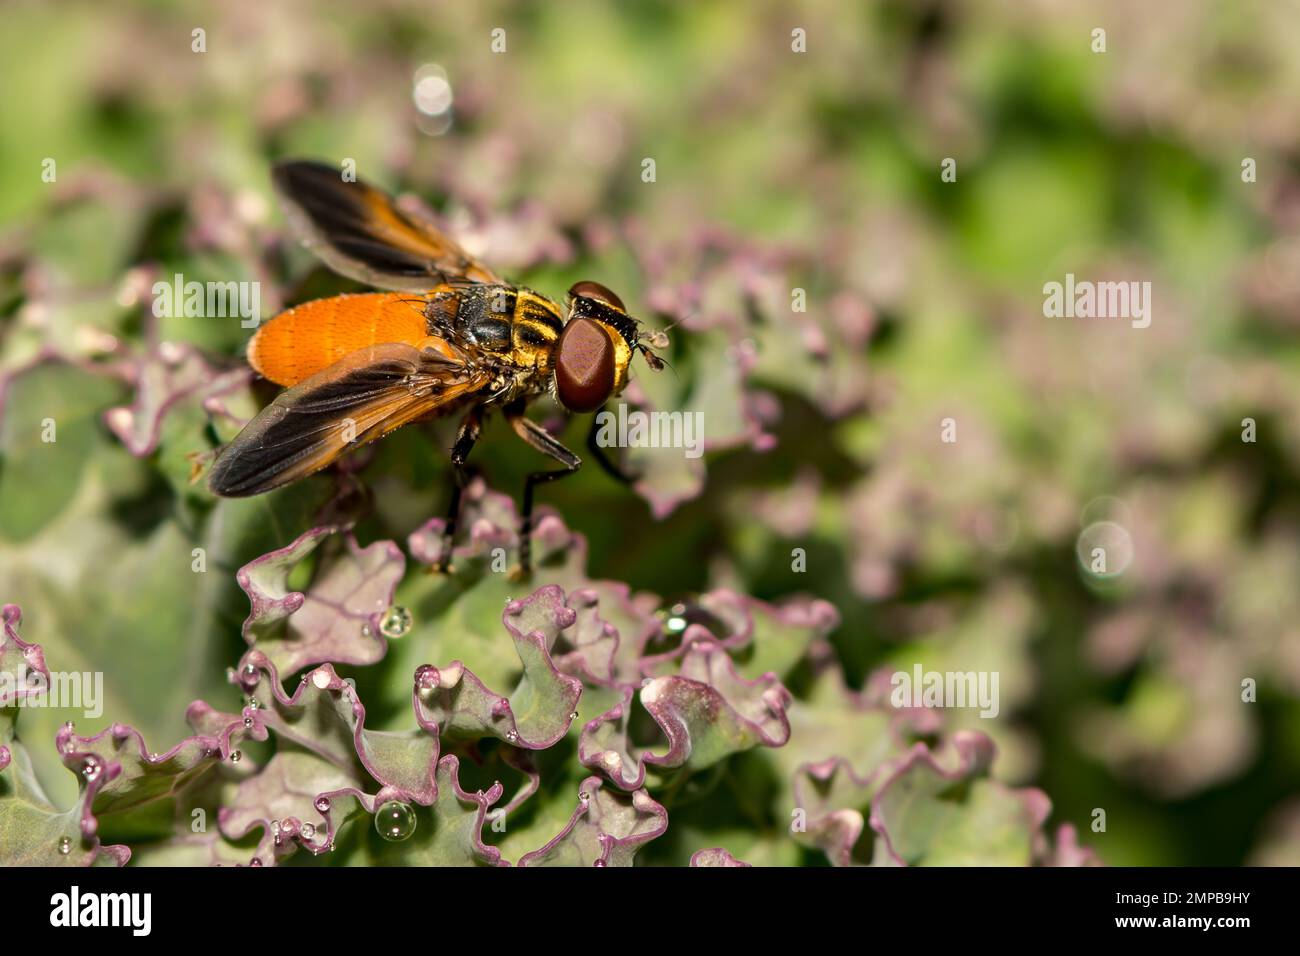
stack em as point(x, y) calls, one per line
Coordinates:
point(253, 704)
point(65, 846)
point(235, 756)
point(584, 796)
point(365, 630)
point(255, 861)
point(250, 672)
point(396, 622)
point(600, 863)
point(323, 804)
point(91, 767)
point(395, 821)
point(275, 827)
point(308, 831)
point(675, 619)
point(427, 679)
point(248, 721)
point(574, 715)
point(511, 736)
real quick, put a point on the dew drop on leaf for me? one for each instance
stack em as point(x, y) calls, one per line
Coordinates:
point(396, 622)
point(675, 621)
point(427, 679)
point(395, 821)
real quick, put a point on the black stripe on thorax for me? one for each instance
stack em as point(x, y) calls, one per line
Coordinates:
point(537, 320)
point(485, 314)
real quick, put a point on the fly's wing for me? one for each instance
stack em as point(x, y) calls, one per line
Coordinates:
point(359, 233)
point(359, 398)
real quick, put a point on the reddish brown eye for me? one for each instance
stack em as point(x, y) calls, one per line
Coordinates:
point(594, 290)
point(584, 366)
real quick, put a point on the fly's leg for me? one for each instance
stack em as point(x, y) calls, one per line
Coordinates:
point(543, 441)
point(471, 426)
point(611, 468)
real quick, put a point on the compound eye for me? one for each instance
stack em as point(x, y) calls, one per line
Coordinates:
point(584, 366)
point(594, 290)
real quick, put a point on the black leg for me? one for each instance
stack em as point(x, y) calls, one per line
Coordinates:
point(470, 428)
point(542, 440)
point(613, 470)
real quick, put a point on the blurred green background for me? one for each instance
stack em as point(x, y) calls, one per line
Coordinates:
point(775, 170)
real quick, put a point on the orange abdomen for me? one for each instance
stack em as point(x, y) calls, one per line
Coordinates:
point(302, 341)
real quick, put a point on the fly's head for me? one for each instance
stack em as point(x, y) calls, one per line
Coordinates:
point(596, 348)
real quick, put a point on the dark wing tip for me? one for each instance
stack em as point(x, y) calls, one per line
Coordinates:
point(292, 174)
point(295, 166)
point(226, 479)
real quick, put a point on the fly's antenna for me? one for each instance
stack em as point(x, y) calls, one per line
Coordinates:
point(656, 333)
point(648, 339)
point(658, 363)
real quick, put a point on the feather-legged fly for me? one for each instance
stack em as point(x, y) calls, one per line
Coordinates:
point(450, 336)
